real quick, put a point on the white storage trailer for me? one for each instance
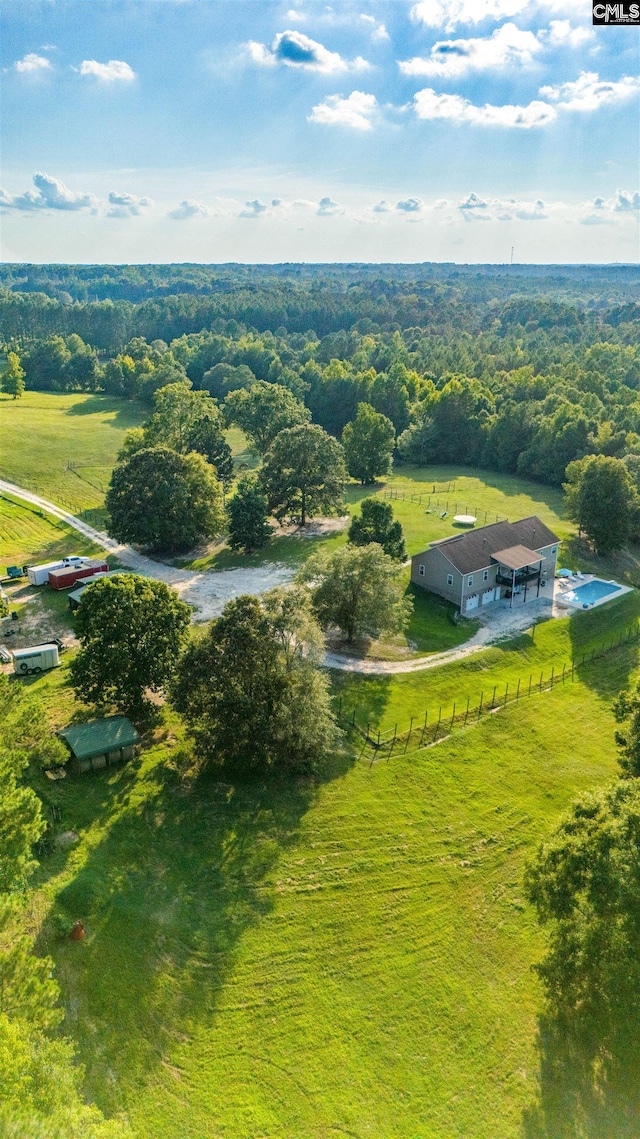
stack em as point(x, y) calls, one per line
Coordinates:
point(27, 662)
point(39, 575)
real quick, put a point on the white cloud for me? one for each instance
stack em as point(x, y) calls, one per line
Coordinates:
point(115, 71)
point(381, 207)
point(355, 111)
point(51, 195)
point(328, 208)
point(626, 201)
point(253, 209)
point(449, 14)
point(126, 205)
point(473, 202)
point(507, 46)
point(378, 30)
point(275, 202)
point(589, 93)
point(429, 105)
point(561, 34)
point(189, 208)
point(32, 63)
point(441, 204)
point(295, 49)
point(409, 205)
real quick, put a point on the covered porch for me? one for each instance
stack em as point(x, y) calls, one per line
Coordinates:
point(520, 570)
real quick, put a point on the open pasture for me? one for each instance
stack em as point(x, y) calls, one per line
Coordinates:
point(280, 960)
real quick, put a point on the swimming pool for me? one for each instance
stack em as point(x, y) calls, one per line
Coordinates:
point(593, 592)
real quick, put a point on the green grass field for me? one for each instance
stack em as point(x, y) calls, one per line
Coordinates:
point(288, 961)
point(30, 535)
point(43, 433)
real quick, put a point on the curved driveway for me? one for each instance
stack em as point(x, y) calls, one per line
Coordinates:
point(209, 590)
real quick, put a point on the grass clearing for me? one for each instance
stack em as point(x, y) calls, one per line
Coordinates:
point(30, 535)
point(294, 962)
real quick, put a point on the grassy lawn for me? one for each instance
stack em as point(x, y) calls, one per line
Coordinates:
point(383, 701)
point(43, 432)
point(286, 961)
point(30, 535)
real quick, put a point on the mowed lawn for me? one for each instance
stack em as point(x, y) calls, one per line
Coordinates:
point(31, 535)
point(282, 961)
point(43, 433)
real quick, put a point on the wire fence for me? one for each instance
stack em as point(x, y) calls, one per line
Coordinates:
point(434, 502)
point(436, 725)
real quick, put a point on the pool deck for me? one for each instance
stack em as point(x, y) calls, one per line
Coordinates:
point(566, 585)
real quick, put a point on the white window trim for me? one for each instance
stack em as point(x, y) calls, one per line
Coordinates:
point(421, 570)
point(449, 579)
point(485, 575)
point(469, 581)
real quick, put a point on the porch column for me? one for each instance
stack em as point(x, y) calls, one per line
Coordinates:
point(539, 577)
point(513, 587)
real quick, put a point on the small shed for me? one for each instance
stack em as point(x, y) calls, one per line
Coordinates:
point(100, 743)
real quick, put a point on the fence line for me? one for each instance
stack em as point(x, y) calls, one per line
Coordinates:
point(428, 731)
point(435, 503)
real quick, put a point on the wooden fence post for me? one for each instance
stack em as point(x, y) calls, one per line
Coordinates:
point(493, 698)
point(518, 691)
point(424, 727)
point(453, 716)
point(506, 693)
point(466, 715)
point(480, 705)
point(409, 736)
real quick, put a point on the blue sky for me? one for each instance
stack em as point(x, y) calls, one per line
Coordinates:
point(219, 130)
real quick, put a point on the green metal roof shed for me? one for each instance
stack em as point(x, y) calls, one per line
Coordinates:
point(101, 742)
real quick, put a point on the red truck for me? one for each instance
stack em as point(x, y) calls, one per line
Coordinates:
point(67, 576)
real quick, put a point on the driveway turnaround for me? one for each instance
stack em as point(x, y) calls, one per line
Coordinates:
point(209, 590)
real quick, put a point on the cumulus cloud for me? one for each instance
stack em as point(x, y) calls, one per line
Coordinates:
point(381, 207)
point(275, 202)
point(450, 14)
point(409, 205)
point(126, 205)
point(449, 58)
point(589, 93)
point(115, 71)
point(328, 208)
point(428, 104)
point(356, 111)
point(441, 204)
point(473, 202)
point(295, 49)
point(378, 30)
point(32, 63)
point(189, 208)
point(626, 201)
point(51, 195)
point(561, 34)
point(253, 209)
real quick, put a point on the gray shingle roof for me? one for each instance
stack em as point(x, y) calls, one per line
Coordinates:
point(474, 549)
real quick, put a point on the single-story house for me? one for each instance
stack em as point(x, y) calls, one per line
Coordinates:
point(100, 743)
point(481, 566)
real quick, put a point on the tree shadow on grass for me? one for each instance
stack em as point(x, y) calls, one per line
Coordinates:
point(178, 874)
point(589, 1088)
point(128, 413)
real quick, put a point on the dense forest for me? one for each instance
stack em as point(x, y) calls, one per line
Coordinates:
point(519, 369)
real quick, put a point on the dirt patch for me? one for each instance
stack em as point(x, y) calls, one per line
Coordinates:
point(318, 528)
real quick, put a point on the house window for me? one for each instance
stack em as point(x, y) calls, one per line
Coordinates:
point(485, 575)
point(554, 549)
point(470, 579)
point(449, 579)
point(421, 571)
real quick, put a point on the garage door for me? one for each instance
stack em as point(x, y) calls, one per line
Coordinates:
point(488, 596)
point(472, 603)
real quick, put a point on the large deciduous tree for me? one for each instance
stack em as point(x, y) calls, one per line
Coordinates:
point(368, 444)
point(164, 500)
point(375, 524)
point(247, 514)
point(357, 590)
point(12, 380)
point(184, 420)
point(304, 473)
point(263, 411)
point(250, 689)
point(131, 631)
point(585, 884)
point(601, 498)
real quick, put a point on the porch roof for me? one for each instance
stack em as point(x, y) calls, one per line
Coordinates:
point(517, 557)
